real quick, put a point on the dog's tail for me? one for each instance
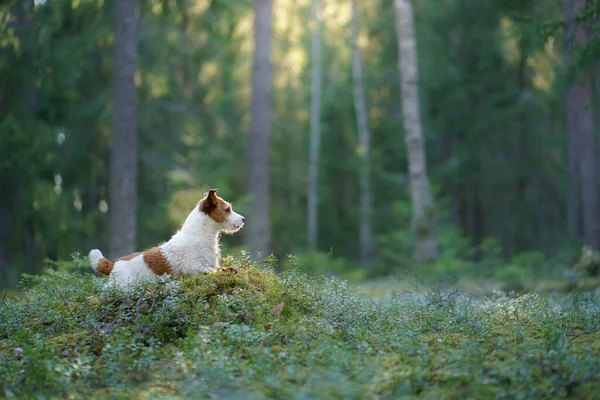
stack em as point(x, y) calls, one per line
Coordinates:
point(100, 263)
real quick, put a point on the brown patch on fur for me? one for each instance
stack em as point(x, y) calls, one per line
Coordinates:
point(104, 266)
point(128, 257)
point(157, 262)
point(215, 207)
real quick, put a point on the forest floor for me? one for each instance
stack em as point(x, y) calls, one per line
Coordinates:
point(258, 334)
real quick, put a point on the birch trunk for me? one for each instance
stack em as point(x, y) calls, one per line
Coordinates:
point(258, 230)
point(423, 210)
point(124, 152)
point(315, 125)
point(360, 107)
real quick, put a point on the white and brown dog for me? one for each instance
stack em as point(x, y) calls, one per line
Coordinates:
point(193, 249)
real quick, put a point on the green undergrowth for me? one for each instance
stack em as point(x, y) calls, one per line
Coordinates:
point(259, 334)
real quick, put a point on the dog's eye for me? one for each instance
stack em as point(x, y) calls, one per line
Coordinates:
point(228, 210)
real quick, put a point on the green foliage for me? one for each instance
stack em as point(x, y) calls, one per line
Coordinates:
point(491, 83)
point(513, 277)
point(519, 273)
point(458, 256)
point(589, 262)
point(218, 335)
point(318, 264)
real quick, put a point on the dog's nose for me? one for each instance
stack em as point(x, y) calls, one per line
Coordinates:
point(243, 219)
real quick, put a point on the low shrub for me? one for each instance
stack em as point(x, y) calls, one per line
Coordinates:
point(318, 263)
point(513, 277)
point(260, 334)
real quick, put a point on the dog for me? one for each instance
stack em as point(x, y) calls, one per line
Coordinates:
point(193, 249)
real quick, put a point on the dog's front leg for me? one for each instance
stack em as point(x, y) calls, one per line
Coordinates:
point(201, 269)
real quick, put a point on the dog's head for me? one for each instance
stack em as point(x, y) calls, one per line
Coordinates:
point(221, 212)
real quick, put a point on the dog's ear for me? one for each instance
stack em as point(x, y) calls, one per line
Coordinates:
point(209, 202)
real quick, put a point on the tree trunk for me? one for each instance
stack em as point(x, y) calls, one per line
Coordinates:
point(586, 143)
point(21, 23)
point(573, 180)
point(6, 253)
point(571, 129)
point(587, 165)
point(364, 139)
point(186, 88)
point(423, 210)
point(124, 152)
point(315, 125)
point(258, 147)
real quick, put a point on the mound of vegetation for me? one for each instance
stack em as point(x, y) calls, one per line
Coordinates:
point(253, 333)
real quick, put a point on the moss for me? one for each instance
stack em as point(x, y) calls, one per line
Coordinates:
point(588, 284)
point(246, 278)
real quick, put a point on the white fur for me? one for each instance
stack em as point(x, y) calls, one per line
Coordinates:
point(193, 249)
point(130, 272)
point(95, 257)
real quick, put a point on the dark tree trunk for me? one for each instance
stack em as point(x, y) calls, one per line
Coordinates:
point(588, 166)
point(21, 24)
point(571, 129)
point(258, 180)
point(29, 246)
point(587, 146)
point(474, 213)
point(6, 254)
point(573, 179)
point(124, 152)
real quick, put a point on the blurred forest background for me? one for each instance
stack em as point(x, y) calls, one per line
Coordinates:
point(116, 116)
